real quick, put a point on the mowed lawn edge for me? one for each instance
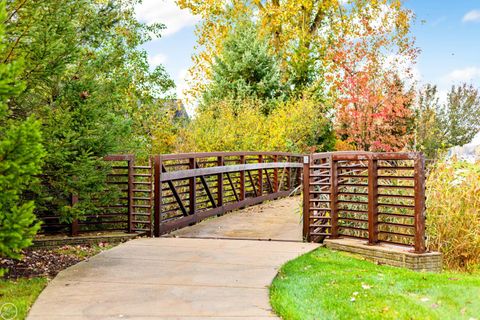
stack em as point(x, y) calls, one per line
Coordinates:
point(326, 284)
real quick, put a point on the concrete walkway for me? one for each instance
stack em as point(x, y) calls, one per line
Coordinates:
point(181, 278)
point(275, 220)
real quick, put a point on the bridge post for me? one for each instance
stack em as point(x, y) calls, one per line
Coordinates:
point(333, 197)
point(288, 174)
point(419, 189)
point(260, 177)
point(157, 194)
point(372, 201)
point(242, 179)
point(220, 163)
point(275, 175)
point(306, 198)
point(131, 172)
point(192, 189)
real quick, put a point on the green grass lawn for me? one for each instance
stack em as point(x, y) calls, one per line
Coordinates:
point(21, 293)
point(325, 284)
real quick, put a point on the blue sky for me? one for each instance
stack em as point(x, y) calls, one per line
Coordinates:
point(447, 32)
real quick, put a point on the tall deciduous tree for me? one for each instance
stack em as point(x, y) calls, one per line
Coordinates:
point(428, 133)
point(301, 32)
point(460, 116)
point(375, 115)
point(373, 81)
point(453, 123)
point(20, 160)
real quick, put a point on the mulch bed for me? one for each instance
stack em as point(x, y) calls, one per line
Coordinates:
point(40, 262)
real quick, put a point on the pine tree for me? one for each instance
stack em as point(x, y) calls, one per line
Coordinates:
point(20, 159)
point(245, 70)
point(89, 84)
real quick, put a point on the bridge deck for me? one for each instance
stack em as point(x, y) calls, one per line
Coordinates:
point(275, 220)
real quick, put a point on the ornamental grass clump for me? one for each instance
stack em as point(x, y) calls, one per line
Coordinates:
point(453, 213)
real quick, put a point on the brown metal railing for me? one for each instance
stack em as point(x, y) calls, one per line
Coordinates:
point(379, 197)
point(130, 209)
point(194, 186)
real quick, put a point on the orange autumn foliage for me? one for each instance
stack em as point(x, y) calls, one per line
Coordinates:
point(373, 106)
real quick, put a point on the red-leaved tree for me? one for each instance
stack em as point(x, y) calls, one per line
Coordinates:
point(373, 81)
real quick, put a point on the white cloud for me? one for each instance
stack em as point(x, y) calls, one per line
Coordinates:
point(463, 75)
point(166, 12)
point(157, 60)
point(472, 16)
point(181, 83)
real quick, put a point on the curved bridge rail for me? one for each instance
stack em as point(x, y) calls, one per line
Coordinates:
point(379, 197)
point(193, 186)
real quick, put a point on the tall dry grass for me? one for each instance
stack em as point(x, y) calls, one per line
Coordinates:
point(453, 213)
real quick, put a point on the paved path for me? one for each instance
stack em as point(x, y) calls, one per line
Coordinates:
point(173, 278)
point(275, 220)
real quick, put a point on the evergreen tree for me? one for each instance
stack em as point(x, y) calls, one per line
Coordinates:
point(245, 70)
point(89, 84)
point(20, 159)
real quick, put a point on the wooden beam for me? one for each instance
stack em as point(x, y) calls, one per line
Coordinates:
point(192, 188)
point(419, 173)
point(233, 187)
point(252, 183)
point(130, 194)
point(179, 156)
point(207, 189)
point(372, 201)
point(189, 173)
point(269, 182)
point(334, 197)
point(275, 175)
point(174, 192)
point(242, 180)
point(157, 195)
point(306, 198)
point(260, 176)
point(220, 163)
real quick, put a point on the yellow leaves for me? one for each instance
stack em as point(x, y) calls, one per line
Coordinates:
point(292, 126)
point(329, 37)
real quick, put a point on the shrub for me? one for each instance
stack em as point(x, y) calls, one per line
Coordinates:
point(298, 125)
point(20, 160)
point(453, 213)
point(222, 127)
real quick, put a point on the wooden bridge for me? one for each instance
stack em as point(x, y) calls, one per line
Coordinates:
point(191, 268)
point(379, 197)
